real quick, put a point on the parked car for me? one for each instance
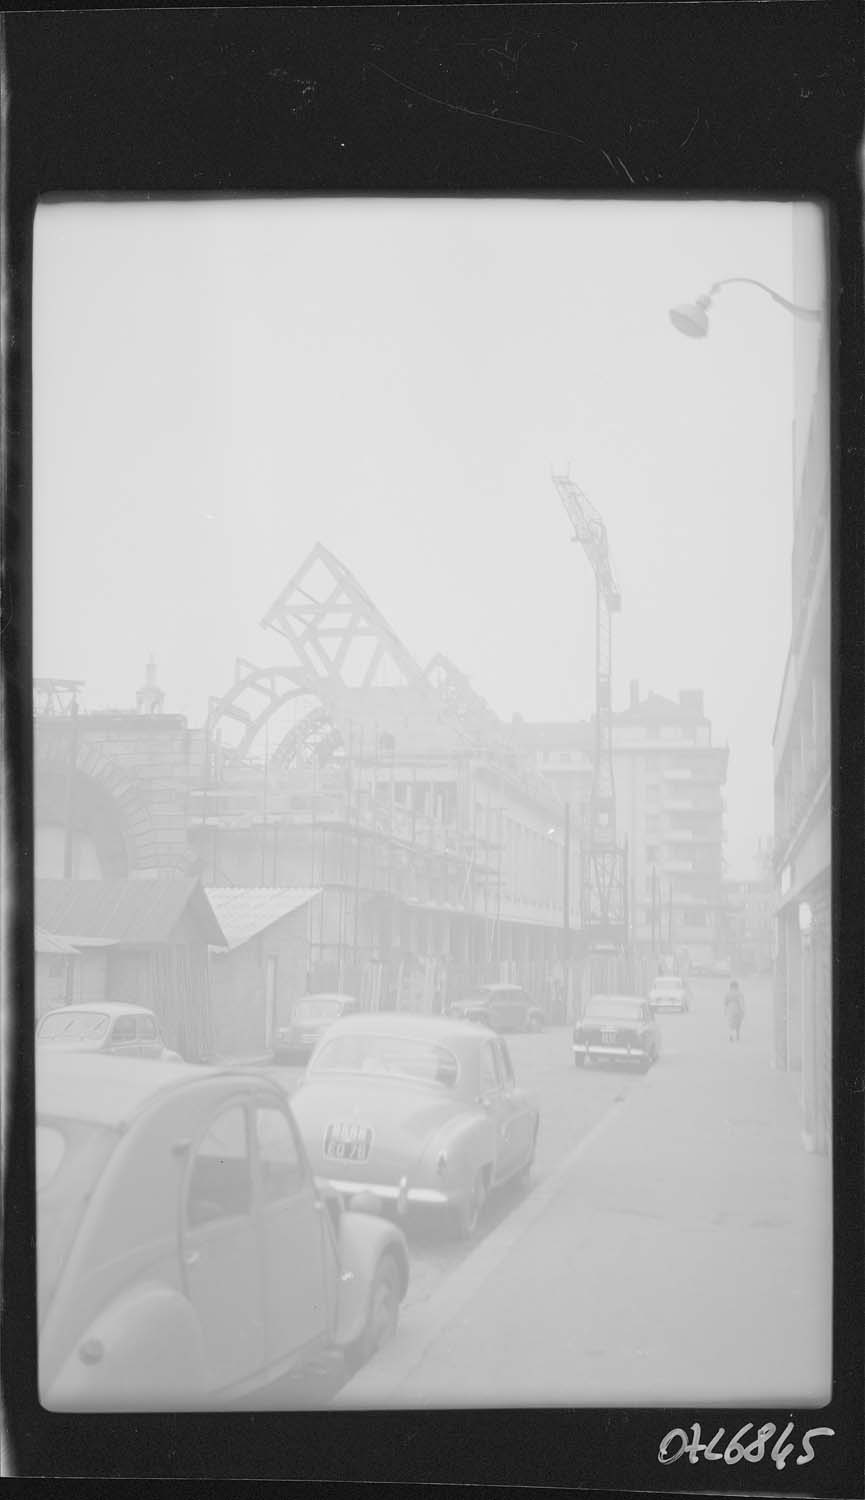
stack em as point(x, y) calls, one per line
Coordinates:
point(185, 1255)
point(617, 1028)
point(113, 1028)
point(502, 1007)
point(422, 1111)
point(310, 1019)
point(670, 992)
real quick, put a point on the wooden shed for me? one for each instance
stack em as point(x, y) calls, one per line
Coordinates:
point(143, 941)
point(263, 966)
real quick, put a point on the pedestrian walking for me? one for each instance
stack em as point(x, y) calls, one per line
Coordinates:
point(734, 1009)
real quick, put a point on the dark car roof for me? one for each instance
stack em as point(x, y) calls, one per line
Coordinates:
point(498, 989)
point(112, 1090)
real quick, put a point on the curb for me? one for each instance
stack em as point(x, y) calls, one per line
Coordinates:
point(377, 1380)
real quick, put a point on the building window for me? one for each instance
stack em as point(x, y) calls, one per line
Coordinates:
point(652, 852)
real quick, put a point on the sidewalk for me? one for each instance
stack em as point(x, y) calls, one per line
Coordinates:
point(680, 1256)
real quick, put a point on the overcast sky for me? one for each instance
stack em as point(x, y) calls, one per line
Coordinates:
point(218, 385)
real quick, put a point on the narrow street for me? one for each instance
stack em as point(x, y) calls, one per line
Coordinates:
point(572, 1102)
point(672, 1220)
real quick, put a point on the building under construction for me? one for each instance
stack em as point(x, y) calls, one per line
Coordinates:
point(395, 791)
point(429, 853)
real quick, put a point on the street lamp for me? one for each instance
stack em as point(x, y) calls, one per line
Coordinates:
point(692, 318)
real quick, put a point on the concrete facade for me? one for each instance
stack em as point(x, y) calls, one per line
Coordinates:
point(119, 782)
point(802, 736)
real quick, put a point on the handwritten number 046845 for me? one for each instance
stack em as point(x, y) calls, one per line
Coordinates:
point(677, 1443)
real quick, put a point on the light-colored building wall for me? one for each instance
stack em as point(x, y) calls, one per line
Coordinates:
point(669, 809)
point(801, 740)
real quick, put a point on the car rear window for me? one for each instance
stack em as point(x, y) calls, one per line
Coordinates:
point(668, 984)
point(383, 1055)
point(72, 1025)
point(614, 1010)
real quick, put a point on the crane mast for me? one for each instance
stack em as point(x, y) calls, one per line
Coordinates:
point(604, 880)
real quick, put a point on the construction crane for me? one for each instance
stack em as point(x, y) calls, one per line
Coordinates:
point(603, 902)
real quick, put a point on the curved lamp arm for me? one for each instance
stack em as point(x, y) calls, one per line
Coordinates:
point(813, 313)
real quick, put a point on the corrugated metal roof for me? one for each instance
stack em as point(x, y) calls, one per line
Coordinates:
point(45, 943)
point(244, 911)
point(131, 912)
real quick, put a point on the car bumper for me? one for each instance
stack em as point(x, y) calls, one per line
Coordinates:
point(399, 1194)
point(582, 1049)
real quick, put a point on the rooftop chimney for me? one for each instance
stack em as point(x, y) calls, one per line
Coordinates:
point(150, 697)
point(635, 693)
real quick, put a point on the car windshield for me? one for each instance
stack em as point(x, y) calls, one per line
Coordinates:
point(613, 1010)
point(397, 1056)
point(70, 1155)
point(318, 1010)
point(72, 1025)
point(668, 984)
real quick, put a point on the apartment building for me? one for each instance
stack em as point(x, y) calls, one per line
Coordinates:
point(669, 779)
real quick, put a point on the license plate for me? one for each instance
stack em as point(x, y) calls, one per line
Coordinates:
point(608, 1037)
point(344, 1141)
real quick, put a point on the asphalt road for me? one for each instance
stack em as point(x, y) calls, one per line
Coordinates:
point(572, 1101)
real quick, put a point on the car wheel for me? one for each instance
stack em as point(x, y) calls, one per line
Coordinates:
point(382, 1314)
point(467, 1214)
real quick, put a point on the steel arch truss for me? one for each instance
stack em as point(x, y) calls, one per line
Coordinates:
point(335, 630)
point(257, 696)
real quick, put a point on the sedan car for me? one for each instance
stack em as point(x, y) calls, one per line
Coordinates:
point(617, 1028)
point(422, 1111)
point(310, 1019)
point(111, 1028)
point(185, 1256)
point(670, 992)
point(502, 1007)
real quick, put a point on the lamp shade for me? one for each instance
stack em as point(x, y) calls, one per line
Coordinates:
point(690, 318)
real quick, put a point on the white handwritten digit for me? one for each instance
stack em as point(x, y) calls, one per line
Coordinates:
point(734, 1450)
point(664, 1456)
point(780, 1454)
point(696, 1447)
point(808, 1454)
point(755, 1450)
point(709, 1451)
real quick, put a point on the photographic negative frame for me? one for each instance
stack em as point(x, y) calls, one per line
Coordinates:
point(752, 102)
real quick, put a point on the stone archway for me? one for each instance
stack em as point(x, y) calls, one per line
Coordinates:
point(105, 808)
